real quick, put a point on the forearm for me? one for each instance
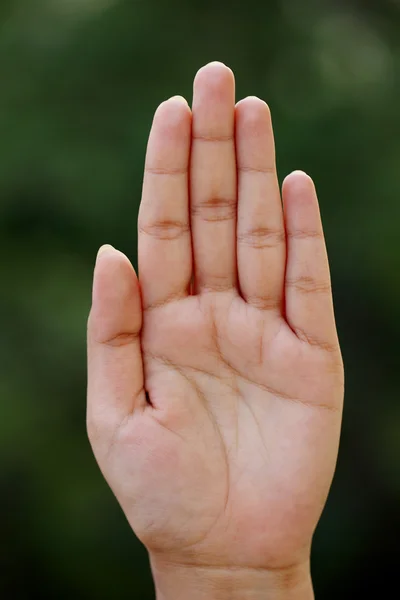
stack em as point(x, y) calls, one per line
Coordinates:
point(175, 582)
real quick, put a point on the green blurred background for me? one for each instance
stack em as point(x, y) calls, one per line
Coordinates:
point(80, 80)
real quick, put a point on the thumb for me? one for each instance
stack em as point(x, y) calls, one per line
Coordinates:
point(115, 367)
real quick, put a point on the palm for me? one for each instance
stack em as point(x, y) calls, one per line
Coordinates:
point(232, 456)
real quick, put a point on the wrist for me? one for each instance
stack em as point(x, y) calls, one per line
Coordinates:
point(180, 582)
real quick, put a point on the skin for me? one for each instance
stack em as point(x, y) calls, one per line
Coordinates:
point(215, 383)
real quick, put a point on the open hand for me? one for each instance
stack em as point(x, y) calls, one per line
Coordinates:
point(216, 381)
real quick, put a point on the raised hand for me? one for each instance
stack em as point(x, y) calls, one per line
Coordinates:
point(216, 382)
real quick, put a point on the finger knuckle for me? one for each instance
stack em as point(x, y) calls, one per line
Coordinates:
point(306, 284)
point(164, 229)
point(268, 302)
point(317, 342)
point(260, 238)
point(305, 234)
point(168, 171)
point(215, 208)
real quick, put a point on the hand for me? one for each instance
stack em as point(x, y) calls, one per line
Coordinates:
point(216, 383)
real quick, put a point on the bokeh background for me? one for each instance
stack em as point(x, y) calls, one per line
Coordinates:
point(79, 82)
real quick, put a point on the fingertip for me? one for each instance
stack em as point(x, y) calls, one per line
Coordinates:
point(172, 114)
point(114, 274)
point(104, 249)
point(216, 65)
point(213, 73)
point(116, 304)
point(253, 118)
point(109, 252)
point(253, 104)
point(298, 180)
point(179, 99)
point(174, 103)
